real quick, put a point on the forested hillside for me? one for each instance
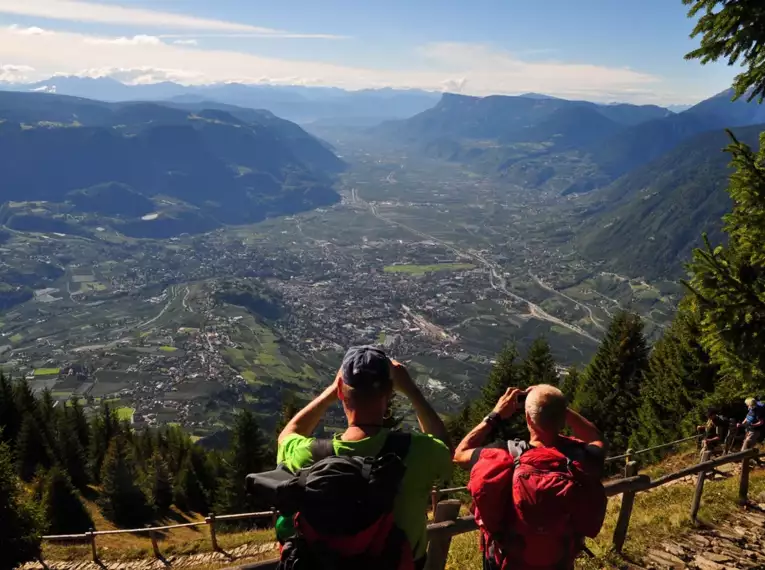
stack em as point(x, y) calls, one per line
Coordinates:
point(184, 168)
point(61, 455)
point(648, 220)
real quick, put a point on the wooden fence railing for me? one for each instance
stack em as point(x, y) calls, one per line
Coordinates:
point(446, 520)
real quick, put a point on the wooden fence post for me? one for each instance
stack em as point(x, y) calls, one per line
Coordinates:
point(213, 538)
point(154, 544)
point(92, 537)
point(627, 461)
point(743, 484)
point(699, 487)
point(274, 518)
point(438, 549)
point(434, 499)
point(625, 512)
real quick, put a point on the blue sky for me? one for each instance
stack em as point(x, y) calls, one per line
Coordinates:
point(601, 50)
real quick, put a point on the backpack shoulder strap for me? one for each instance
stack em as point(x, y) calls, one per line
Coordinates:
point(396, 443)
point(516, 448)
point(321, 449)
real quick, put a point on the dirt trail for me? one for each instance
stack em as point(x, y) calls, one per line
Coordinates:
point(243, 554)
point(737, 542)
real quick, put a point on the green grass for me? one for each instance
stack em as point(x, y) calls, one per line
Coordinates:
point(168, 348)
point(16, 338)
point(263, 358)
point(93, 286)
point(125, 413)
point(47, 371)
point(423, 269)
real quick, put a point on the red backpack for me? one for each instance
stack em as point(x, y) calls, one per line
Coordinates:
point(535, 506)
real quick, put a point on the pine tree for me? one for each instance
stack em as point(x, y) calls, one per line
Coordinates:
point(728, 282)
point(732, 30)
point(505, 373)
point(10, 415)
point(206, 470)
point(72, 456)
point(539, 365)
point(188, 492)
point(160, 482)
point(122, 500)
point(570, 384)
point(46, 406)
point(247, 456)
point(78, 422)
point(104, 427)
point(459, 425)
point(32, 451)
point(63, 508)
point(290, 406)
point(609, 394)
point(678, 385)
point(20, 521)
point(26, 402)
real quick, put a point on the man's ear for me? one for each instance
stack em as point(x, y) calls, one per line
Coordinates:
point(340, 395)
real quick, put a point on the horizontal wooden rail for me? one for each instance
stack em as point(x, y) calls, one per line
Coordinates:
point(628, 485)
point(704, 467)
point(54, 537)
point(647, 449)
point(237, 517)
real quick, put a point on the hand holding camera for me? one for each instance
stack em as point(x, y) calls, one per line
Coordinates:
point(509, 403)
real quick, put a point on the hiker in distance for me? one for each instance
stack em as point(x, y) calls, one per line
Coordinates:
point(753, 423)
point(536, 501)
point(392, 501)
point(716, 433)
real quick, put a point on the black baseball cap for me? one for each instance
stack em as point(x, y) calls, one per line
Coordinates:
point(366, 367)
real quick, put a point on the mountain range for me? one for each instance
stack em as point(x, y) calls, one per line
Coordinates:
point(153, 170)
point(501, 134)
point(656, 179)
point(292, 102)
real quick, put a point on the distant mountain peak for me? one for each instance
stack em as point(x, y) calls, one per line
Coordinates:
point(532, 95)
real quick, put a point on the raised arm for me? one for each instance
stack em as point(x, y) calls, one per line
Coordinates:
point(584, 429)
point(429, 420)
point(306, 420)
point(505, 408)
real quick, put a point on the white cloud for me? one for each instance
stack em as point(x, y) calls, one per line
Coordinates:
point(78, 11)
point(466, 68)
point(142, 75)
point(454, 85)
point(15, 73)
point(31, 31)
point(190, 42)
point(481, 66)
point(140, 40)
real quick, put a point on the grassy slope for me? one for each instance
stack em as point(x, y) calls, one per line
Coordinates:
point(137, 546)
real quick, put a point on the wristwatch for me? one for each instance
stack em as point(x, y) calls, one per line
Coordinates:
point(494, 420)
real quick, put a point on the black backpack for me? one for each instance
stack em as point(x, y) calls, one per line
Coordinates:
point(343, 509)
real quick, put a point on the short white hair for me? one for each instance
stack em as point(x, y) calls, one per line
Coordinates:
point(546, 408)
